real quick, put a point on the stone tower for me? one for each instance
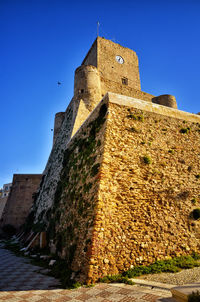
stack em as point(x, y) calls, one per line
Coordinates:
point(107, 67)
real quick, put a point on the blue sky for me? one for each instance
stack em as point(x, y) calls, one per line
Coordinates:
point(42, 42)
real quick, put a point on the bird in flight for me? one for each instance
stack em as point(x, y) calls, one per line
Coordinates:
point(59, 83)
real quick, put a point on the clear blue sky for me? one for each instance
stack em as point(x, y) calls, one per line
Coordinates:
point(42, 42)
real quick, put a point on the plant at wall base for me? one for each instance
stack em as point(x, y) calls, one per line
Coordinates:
point(172, 265)
point(116, 279)
point(147, 159)
point(194, 297)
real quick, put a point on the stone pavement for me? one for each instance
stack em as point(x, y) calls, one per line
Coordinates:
point(16, 273)
point(20, 282)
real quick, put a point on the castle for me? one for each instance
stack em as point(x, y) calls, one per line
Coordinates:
point(123, 176)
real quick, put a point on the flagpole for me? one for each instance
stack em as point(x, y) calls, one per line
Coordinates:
point(98, 28)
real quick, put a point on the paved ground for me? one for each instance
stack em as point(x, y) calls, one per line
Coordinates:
point(20, 282)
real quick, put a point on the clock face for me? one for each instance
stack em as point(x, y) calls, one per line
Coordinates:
point(119, 59)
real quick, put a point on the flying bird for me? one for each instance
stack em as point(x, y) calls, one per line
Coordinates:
point(59, 83)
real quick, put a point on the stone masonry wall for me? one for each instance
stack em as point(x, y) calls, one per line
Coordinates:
point(20, 199)
point(124, 188)
point(110, 69)
point(111, 86)
point(53, 167)
point(144, 209)
point(91, 57)
point(69, 220)
point(3, 201)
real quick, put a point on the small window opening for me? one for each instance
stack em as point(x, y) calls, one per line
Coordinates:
point(124, 81)
point(81, 91)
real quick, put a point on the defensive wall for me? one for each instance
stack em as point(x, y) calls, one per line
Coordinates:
point(3, 201)
point(20, 199)
point(122, 190)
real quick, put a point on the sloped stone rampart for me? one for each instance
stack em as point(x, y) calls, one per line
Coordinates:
point(149, 185)
point(125, 189)
point(51, 174)
point(70, 218)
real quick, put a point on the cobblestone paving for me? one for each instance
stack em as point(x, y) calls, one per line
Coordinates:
point(20, 282)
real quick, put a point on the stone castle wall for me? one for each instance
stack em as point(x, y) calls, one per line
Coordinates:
point(20, 199)
point(52, 170)
point(144, 210)
point(109, 209)
point(111, 86)
point(91, 57)
point(68, 212)
point(3, 201)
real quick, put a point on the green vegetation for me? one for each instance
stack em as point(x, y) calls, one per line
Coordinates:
point(172, 265)
point(62, 271)
point(147, 159)
point(95, 169)
point(194, 200)
point(197, 176)
point(116, 279)
point(71, 208)
point(196, 214)
point(194, 297)
point(136, 117)
point(59, 270)
point(171, 151)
